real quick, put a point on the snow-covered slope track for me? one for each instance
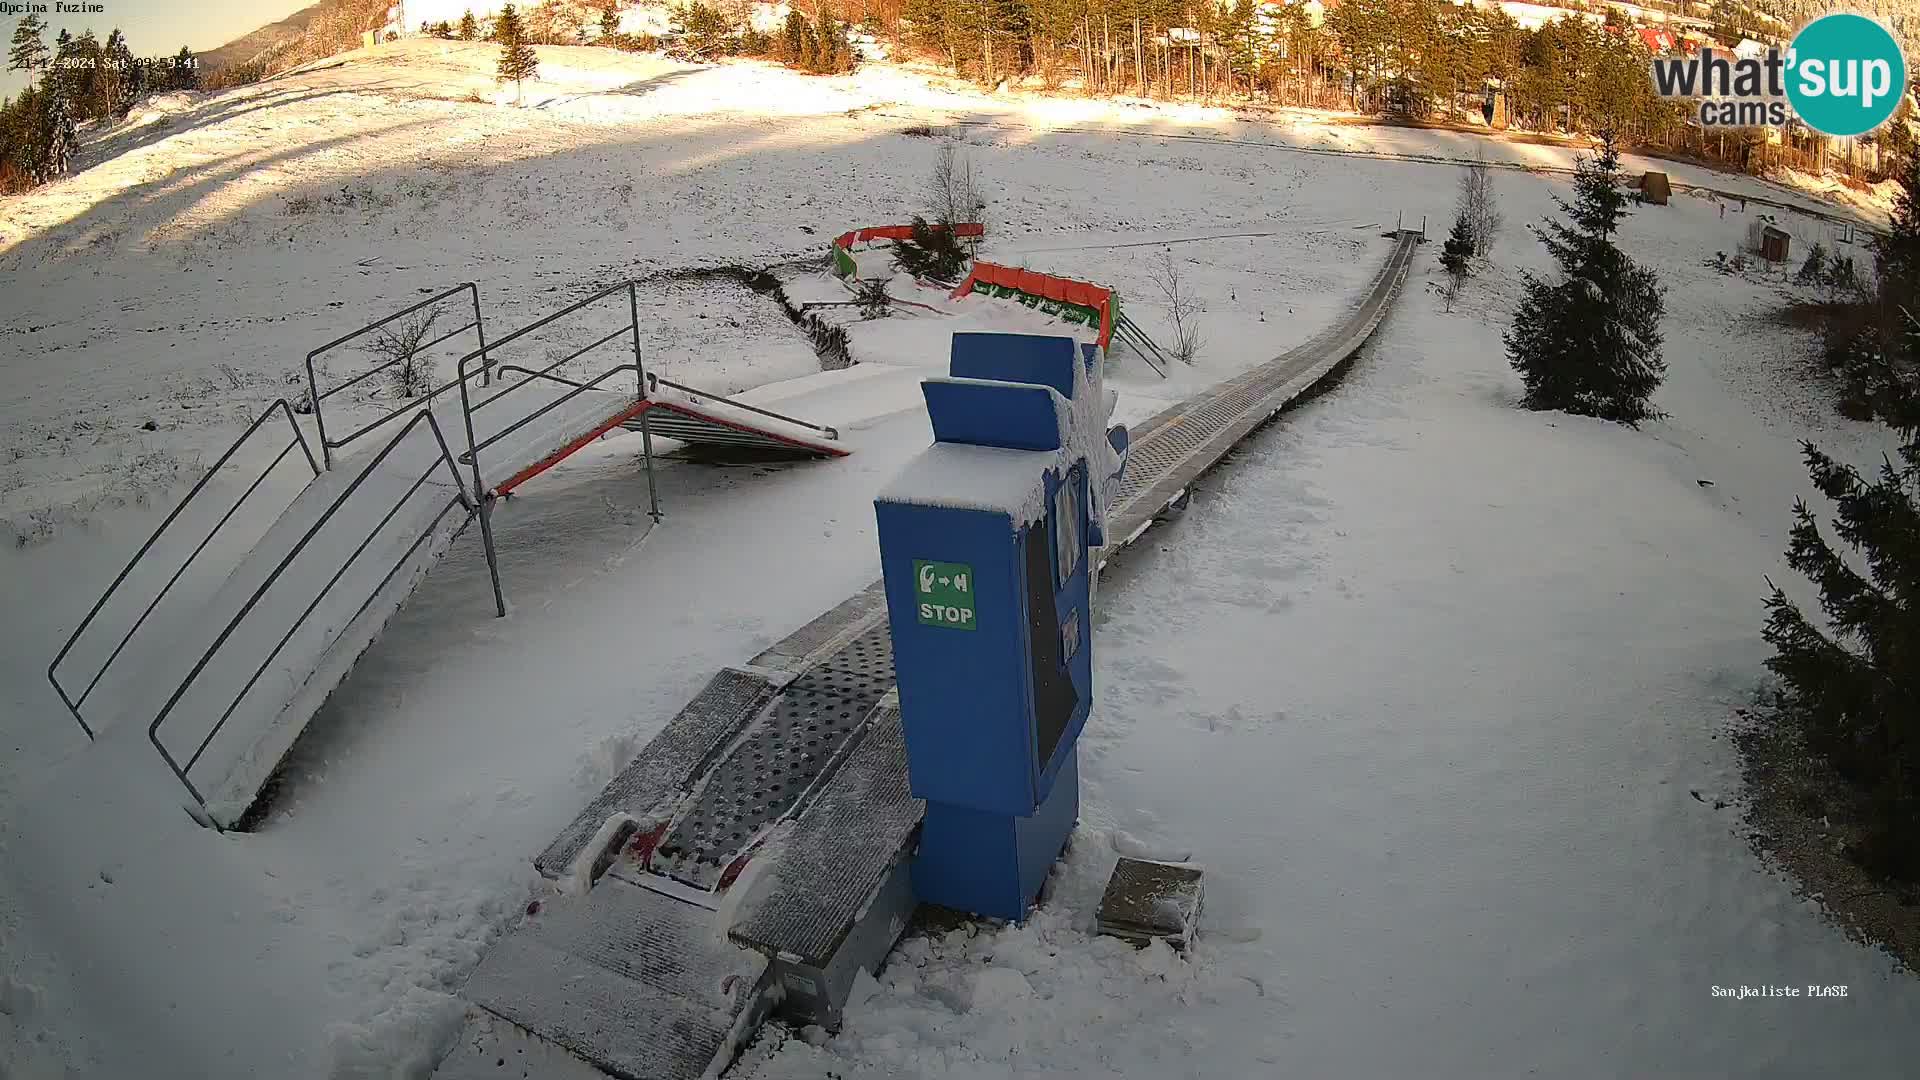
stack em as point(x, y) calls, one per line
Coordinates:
point(753, 857)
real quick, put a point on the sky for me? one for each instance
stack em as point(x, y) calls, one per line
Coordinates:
point(156, 27)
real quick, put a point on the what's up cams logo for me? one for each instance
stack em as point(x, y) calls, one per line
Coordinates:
point(1841, 75)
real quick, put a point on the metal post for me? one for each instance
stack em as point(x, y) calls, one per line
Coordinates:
point(483, 503)
point(480, 328)
point(319, 421)
point(640, 371)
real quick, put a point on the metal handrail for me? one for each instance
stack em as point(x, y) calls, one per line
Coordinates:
point(482, 498)
point(299, 439)
point(459, 499)
point(594, 384)
point(655, 380)
point(315, 396)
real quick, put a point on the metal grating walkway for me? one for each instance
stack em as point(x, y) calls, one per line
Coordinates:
point(782, 757)
point(838, 853)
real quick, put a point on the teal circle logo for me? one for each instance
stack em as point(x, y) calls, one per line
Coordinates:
point(1845, 74)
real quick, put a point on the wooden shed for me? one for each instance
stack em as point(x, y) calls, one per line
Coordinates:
point(1773, 244)
point(1655, 189)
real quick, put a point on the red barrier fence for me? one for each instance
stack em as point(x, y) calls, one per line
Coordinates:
point(1097, 301)
point(903, 232)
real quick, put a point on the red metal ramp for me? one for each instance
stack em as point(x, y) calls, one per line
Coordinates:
point(693, 416)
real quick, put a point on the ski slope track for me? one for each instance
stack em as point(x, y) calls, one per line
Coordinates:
point(662, 969)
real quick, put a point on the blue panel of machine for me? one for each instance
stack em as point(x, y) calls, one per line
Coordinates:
point(1029, 358)
point(992, 414)
point(964, 693)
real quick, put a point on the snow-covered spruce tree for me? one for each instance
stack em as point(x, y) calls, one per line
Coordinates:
point(22, 138)
point(1896, 253)
point(57, 137)
point(932, 253)
point(1854, 689)
point(1590, 343)
point(469, 26)
point(1814, 270)
point(125, 87)
point(1456, 257)
point(518, 61)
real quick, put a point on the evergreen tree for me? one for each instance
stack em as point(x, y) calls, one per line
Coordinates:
point(609, 25)
point(29, 51)
point(793, 37)
point(826, 52)
point(469, 27)
point(57, 138)
point(1590, 343)
point(88, 73)
point(1855, 688)
point(1897, 252)
point(61, 64)
point(1814, 270)
point(518, 61)
point(22, 139)
point(932, 252)
point(186, 73)
point(702, 31)
point(809, 53)
point(1456, 258)
point(115, 84)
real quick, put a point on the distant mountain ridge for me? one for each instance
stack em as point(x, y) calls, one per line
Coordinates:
point(263, 42)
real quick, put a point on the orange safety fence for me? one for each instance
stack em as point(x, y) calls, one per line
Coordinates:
point(903, 232)
point(1046, 286)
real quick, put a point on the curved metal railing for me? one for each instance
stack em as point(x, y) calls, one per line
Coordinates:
point(458, 499)
point(75, 703)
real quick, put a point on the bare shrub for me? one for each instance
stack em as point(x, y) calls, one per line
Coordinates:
point(42, 522)
point(1183, 307)
point(397, 345)
point(873, 299)
point(1476, 207)
point(954, 189)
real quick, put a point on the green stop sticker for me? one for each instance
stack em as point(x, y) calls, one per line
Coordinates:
point(944, 593)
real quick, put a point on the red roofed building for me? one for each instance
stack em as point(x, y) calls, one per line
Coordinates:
point(1658, 40)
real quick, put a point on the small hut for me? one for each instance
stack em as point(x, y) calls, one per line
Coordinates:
point(1655, 189)
point(1773, 244)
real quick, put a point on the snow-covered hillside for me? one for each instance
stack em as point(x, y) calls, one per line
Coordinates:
point(315, 199)
point(1424, 680)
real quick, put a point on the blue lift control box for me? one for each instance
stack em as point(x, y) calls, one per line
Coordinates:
point(985, 547)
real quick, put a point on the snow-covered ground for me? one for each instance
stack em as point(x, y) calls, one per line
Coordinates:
point(1426, 682)
point(1434, 689)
